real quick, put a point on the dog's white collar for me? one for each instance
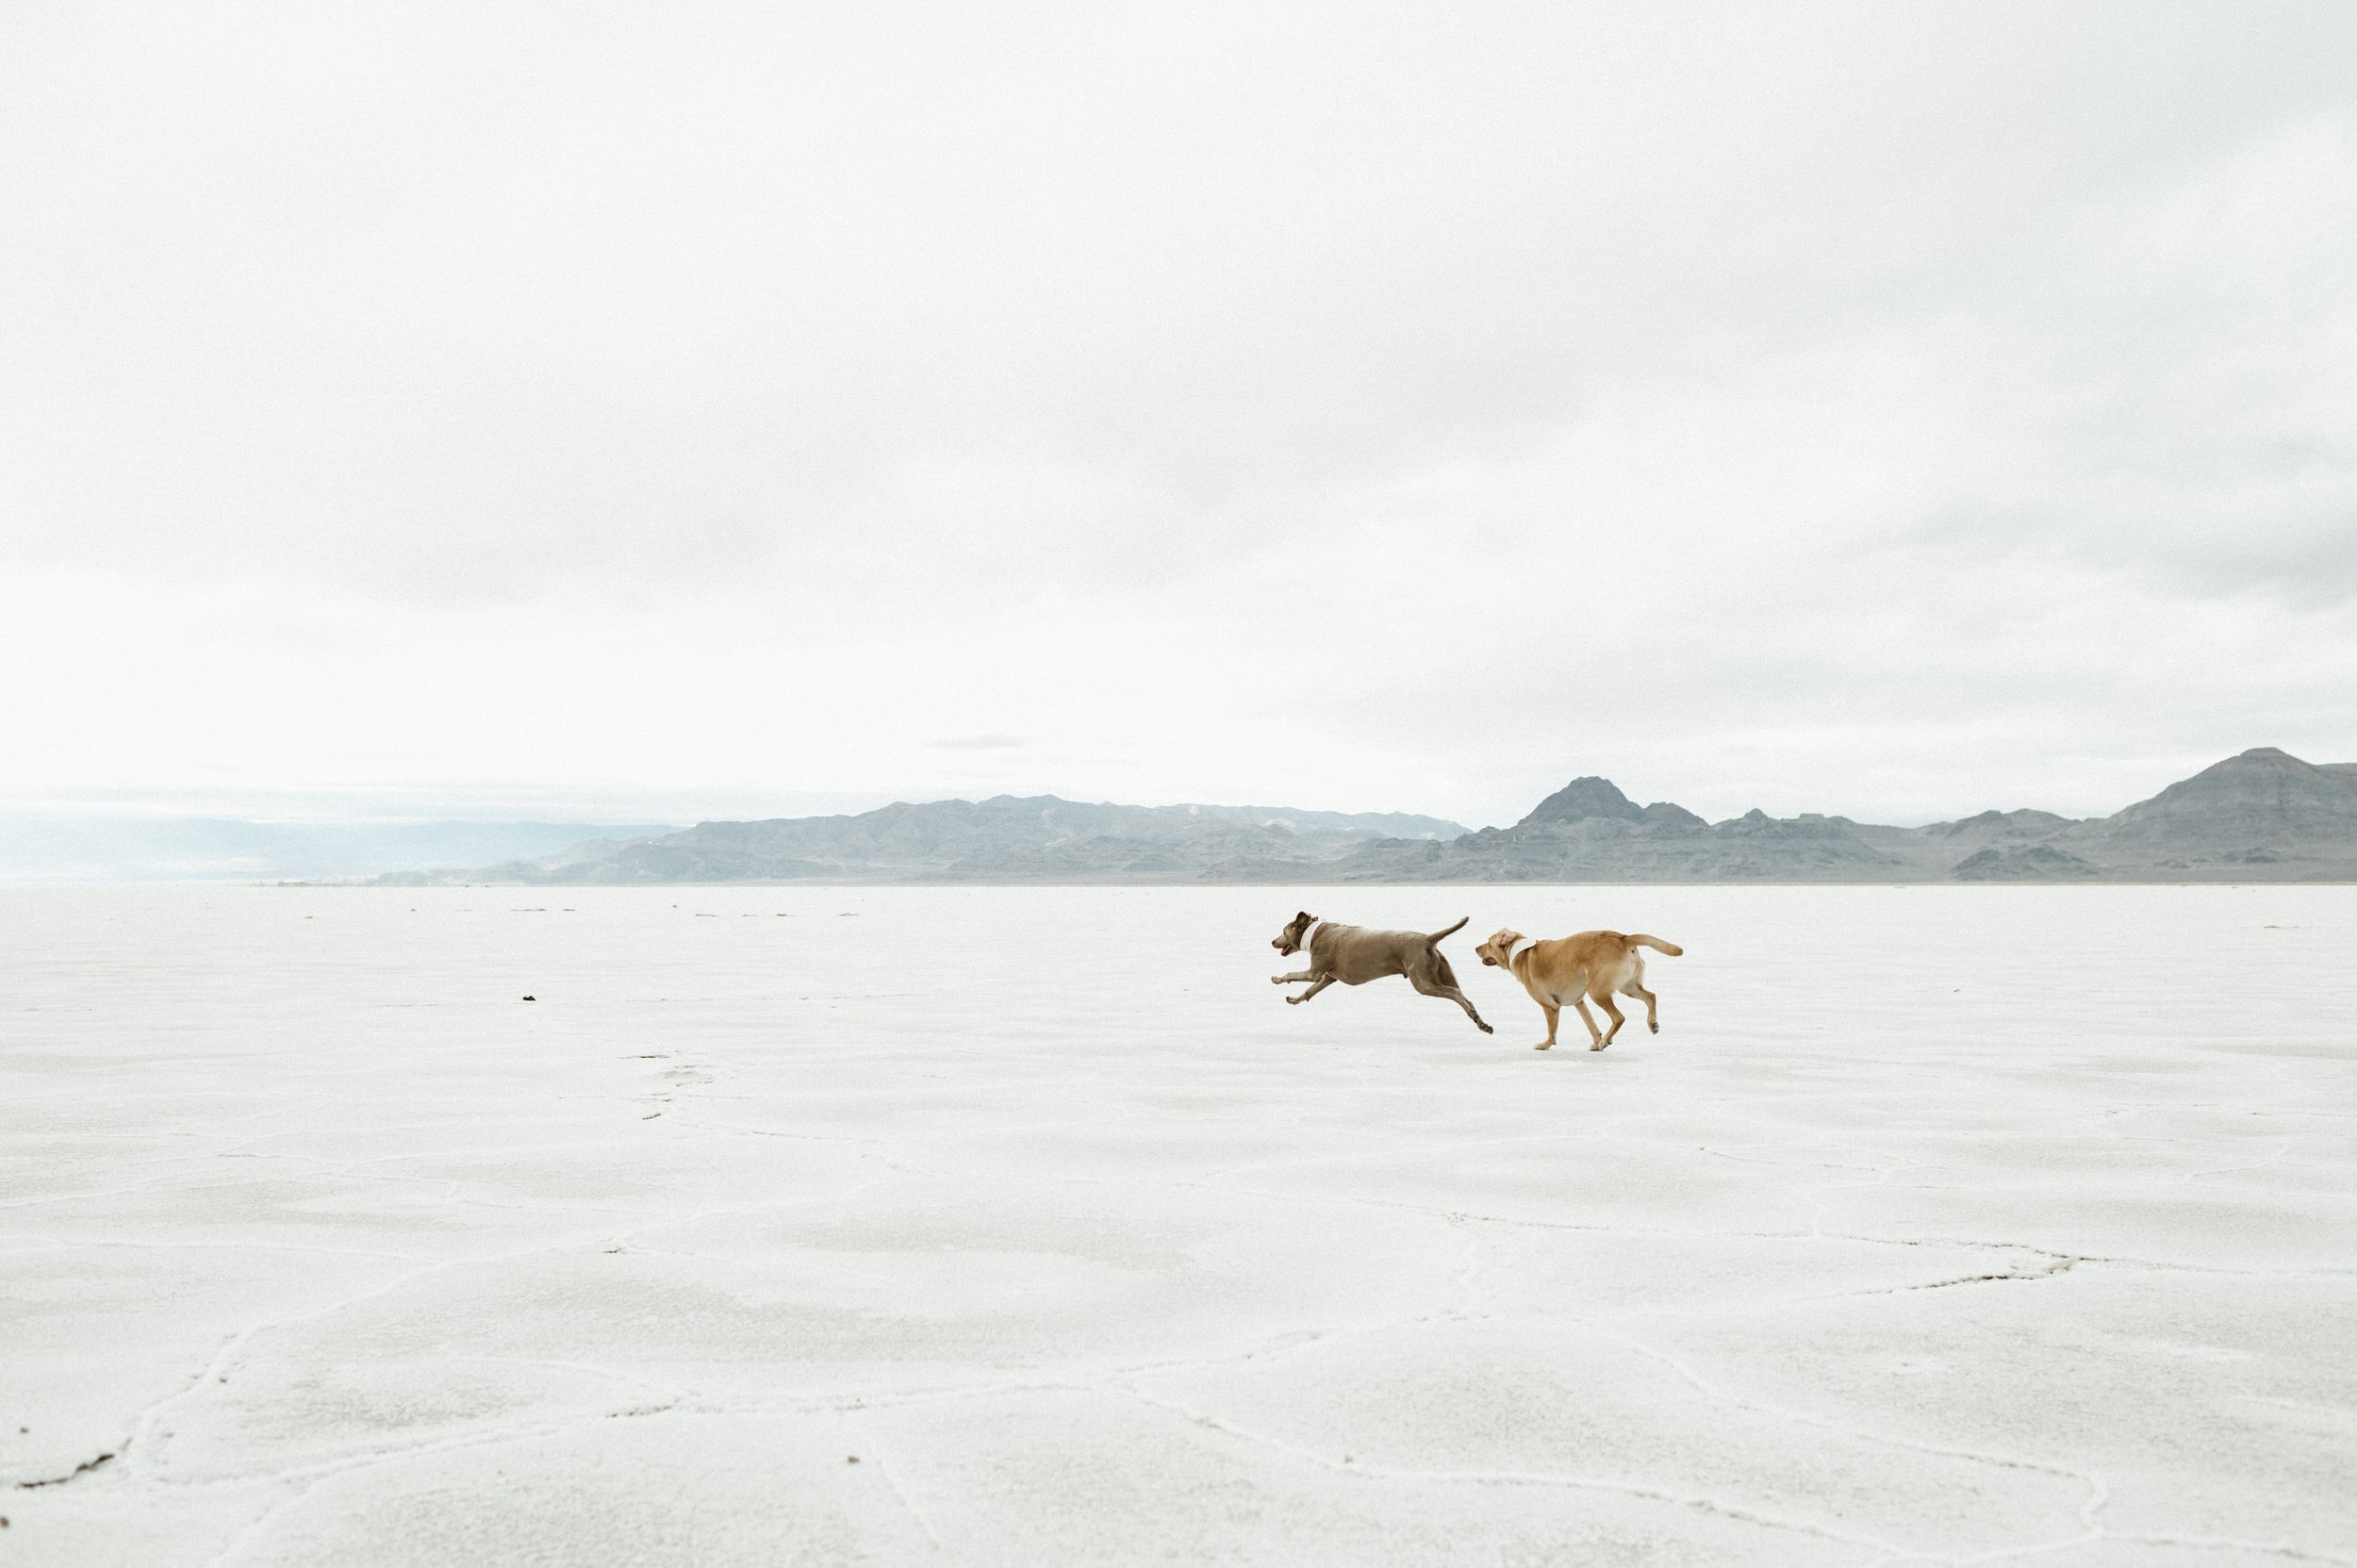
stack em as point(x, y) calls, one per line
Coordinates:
point(1307, 932)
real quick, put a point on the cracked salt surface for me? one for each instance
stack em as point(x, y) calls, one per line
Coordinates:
point(1938, 1226)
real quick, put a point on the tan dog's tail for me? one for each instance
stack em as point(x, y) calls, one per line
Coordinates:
point(1453, 931)
point(1640, 939)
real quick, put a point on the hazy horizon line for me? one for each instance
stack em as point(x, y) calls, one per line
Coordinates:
point(325, 806)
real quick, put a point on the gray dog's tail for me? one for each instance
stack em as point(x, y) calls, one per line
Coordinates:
point(1451, 932)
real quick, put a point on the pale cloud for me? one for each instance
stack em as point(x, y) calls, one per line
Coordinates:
point(1897, 411)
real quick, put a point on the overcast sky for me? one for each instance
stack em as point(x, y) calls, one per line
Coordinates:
point(665, 411)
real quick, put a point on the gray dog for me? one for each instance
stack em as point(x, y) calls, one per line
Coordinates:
point(1355, 955)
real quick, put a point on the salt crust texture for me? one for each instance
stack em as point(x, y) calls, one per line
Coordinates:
point(1940, 1224)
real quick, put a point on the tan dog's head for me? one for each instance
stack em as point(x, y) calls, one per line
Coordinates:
point(1496, 951)
point(1296, 932)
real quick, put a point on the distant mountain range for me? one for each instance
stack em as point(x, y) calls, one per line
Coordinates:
point(2263, 815)
point(94, 847)
point(1006, 838)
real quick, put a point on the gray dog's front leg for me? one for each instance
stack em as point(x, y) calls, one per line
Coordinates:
point(1322, 982)
point(1288, 979)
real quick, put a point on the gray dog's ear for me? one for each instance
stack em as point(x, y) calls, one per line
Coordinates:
point(1304, 915)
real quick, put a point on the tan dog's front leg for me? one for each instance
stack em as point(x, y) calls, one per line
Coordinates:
point(1552, 1013)
point(1322, 982)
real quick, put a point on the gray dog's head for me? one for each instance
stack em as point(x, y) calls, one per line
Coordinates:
point(1296, 932)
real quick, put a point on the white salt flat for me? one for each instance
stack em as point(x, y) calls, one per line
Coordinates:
point(1030, 1227)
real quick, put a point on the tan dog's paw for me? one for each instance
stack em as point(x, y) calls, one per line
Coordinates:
point(1600, 1044)
point(1655, 1028)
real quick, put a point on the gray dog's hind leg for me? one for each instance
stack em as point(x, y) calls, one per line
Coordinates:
point(1434, 989)
point(1322, 982)
point(1466, 1002)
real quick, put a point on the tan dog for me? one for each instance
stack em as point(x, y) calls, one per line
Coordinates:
point(1579, 969)
point(1355, 955)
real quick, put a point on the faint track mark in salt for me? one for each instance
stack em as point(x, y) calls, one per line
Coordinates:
point(2055, 1262)
point(227, 1356)
point(1467, 1285)
point(1518, 1222)
point(873, 1451)
point(2221, 1543)
point(2184, 1543)
point(77, 1472)
point(2097, 1492)
point(2157, 1264)
point(306, 1479)
point(1353, 1470)
point(2290, 1143)
point(209, 1246)
point(144, 1422)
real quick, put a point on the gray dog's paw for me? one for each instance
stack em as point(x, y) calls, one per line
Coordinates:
point(1486, 1029)
point(1292, 1001)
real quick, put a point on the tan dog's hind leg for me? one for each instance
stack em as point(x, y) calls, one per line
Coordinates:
point(1653, 1013)
point(1322, 982)
point(1595, 1037)
point(1612, 1010)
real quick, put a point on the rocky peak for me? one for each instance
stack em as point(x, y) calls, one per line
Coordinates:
point(2022, 823)
point(2263, 797)
point(1582, 798)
